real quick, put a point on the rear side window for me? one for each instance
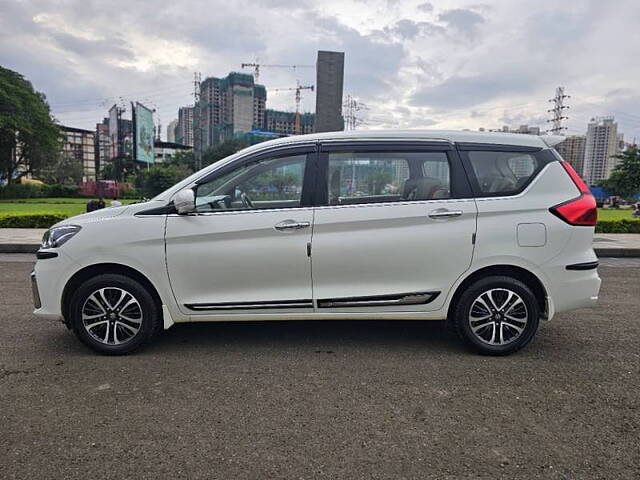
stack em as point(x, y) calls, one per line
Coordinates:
point(502, 173)
point(374, 177)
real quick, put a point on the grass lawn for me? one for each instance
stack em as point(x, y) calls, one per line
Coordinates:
point(67, 206)
point(614, 214)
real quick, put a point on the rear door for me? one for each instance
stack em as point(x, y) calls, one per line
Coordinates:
point(395, 226)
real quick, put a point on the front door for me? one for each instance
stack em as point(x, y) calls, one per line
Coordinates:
point(246, 248)
point(396, 229)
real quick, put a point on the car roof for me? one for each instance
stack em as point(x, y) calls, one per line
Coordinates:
point(451, 136)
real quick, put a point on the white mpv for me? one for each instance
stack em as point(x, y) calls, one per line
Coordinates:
point(490, 231)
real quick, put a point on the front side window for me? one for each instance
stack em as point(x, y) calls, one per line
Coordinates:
point(268, 183)
point(502, 173)
point(374, 177)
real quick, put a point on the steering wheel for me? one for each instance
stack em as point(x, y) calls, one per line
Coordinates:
point(246, 201)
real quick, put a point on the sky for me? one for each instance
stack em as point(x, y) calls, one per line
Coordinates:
point(441, 64)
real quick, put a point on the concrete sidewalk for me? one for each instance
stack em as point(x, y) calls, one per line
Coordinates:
point(20, 240)
point(27, 240)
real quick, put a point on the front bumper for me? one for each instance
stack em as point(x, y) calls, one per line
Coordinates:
point(48, 279)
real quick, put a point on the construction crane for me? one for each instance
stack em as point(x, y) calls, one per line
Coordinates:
point(257, 66)
point(298, 89)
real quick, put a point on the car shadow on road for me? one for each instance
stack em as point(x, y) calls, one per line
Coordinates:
point(324, 336)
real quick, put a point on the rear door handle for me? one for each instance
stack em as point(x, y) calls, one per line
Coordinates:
point(444, 213)
point(288, 225)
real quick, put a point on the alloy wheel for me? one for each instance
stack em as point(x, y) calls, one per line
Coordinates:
point(498, 316)
point(112, 315)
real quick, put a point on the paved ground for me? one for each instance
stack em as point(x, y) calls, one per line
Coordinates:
point(353, 400)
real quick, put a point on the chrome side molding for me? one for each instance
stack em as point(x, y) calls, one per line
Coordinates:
point(250, 305)
point(417, 298)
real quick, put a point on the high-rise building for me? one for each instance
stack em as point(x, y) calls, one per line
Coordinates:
point(102, 145)
point(171, 131)
point(284, 123)
point(602, 144)
point(329, 83)
point(572, 150)
point(79, 146)
point(229, 106)
point(184, 128)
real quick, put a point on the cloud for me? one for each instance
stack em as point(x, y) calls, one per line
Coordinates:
point(425, 7)
point(462, 21)
point(406, 29)
point(469, 91)
point(454, 64)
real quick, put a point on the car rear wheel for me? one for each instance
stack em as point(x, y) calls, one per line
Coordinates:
point(496, 315)
point(114, 314)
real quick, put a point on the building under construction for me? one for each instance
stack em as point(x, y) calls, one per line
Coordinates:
point(235, 105)
point(289, 123)
point(226, 107)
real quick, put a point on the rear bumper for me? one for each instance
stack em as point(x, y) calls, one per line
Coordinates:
point(573, 288)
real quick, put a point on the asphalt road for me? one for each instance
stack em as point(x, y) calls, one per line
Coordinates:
point(306, 400)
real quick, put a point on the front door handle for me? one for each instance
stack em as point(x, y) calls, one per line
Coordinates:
point(288, 225)
point(444, 213)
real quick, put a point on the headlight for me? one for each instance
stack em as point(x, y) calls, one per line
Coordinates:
point(57, 236)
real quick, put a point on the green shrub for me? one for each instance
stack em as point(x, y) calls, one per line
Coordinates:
point(30, 220)
point(22, 190)
point(129, 193)
point(30, 190)
point(158, 178)
point(60, 190)
point(618, 226)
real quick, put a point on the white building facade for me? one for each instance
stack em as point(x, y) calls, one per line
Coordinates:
point(602, 144)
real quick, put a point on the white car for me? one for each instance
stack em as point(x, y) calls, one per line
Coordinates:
point(491, 231)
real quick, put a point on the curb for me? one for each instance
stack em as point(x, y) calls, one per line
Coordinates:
point(19, 247)
point(617, 252)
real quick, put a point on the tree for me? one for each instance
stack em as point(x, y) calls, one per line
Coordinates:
point(65, 169)
point(185, 159)
point(159, 177)
point(29, 138)
point(223, 150)
point(625, 178)
point(119, 169)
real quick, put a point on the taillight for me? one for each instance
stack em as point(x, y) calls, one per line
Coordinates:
point(576, 178)
point(581, 211)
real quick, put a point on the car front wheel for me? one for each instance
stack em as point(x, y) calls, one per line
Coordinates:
point(114, 314)
point(496, 315)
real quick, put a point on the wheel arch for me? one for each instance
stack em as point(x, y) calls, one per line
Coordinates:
point(99, 269)
point(520, 273)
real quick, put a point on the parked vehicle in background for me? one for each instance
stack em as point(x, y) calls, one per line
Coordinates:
point(491, 231)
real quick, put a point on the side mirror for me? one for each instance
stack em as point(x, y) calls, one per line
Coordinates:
point(185, 201)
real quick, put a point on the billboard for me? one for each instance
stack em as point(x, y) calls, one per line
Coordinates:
point(113, 132)
point(143, 134)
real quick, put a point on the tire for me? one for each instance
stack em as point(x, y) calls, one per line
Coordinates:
point(496, 331)
point(114, 315)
